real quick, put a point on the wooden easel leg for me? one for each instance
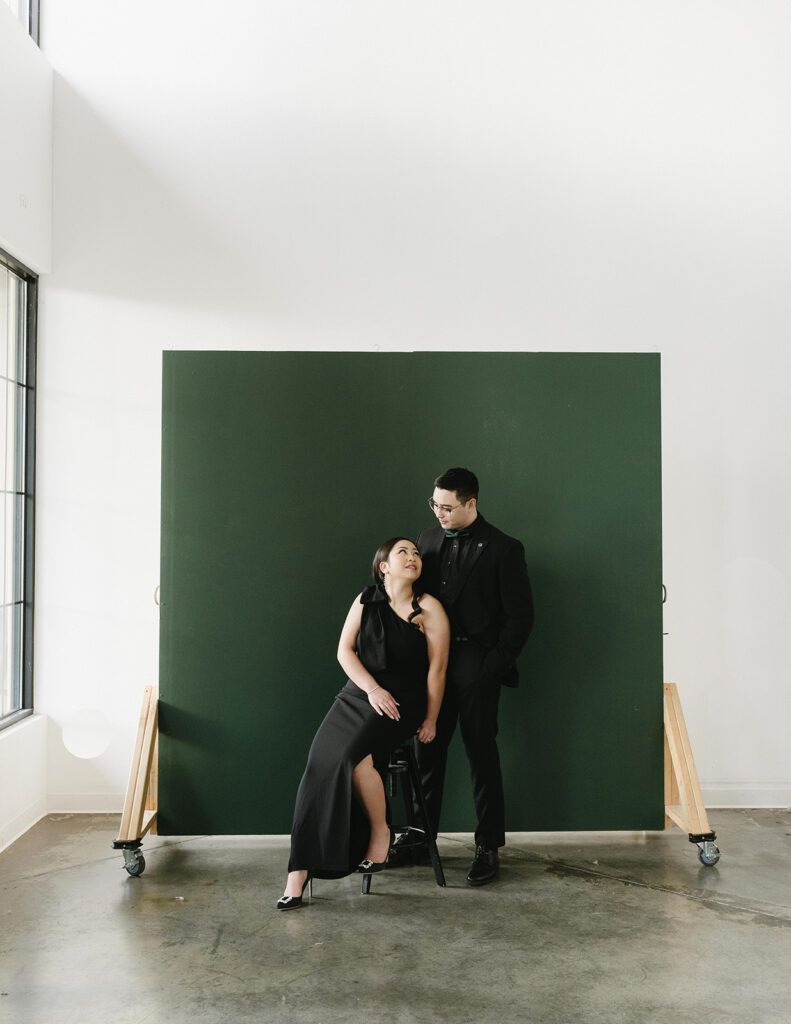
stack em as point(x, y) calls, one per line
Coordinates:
point(140, 807)
point(683, 798)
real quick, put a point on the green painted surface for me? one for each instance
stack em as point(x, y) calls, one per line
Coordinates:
point(283, 471)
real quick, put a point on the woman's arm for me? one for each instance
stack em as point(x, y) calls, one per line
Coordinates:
point(437, 632)
point(381, 700)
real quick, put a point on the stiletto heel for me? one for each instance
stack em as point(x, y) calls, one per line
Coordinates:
point(292, 902)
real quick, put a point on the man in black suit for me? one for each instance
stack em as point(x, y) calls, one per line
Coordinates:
point(479, 575)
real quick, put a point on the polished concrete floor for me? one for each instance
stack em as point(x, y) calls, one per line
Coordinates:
point(590, 928)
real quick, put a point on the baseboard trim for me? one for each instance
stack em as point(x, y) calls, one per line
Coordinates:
point(16, 828)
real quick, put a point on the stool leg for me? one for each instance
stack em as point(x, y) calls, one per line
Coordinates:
point(366, 888)
point(408, 793)
point(417, 786)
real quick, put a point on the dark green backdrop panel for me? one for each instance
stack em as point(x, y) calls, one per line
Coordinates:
point(283, 471)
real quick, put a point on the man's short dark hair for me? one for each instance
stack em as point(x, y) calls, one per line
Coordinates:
point(463, 481)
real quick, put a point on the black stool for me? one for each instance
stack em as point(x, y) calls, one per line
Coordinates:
point(403, 762)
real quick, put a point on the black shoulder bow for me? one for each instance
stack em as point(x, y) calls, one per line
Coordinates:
point(371, 641)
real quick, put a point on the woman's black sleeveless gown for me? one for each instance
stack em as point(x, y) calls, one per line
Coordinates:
point(330, 833)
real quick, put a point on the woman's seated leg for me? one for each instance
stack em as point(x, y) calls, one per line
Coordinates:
point(370, 792)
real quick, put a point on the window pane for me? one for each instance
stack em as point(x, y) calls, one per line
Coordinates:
point(6, 697)
point(5, 320)
point(7, 474)
point(19, 553)
point(12, 693)
point(17, 477)
point(13, 326)
point(12, 548)
point(7, 514)
point(15, 489)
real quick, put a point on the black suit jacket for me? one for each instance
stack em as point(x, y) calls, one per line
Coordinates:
point(493, 603)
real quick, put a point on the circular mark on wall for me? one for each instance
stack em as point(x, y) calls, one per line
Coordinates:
point(87, 734)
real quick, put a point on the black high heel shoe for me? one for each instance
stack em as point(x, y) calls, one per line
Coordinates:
point(292, 902)
point(370, 867)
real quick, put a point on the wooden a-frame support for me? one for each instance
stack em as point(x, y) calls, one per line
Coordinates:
point(140, 807)
point(683, 799)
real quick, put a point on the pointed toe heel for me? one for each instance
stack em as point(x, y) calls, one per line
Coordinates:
point(292, 902)
point(370, 867)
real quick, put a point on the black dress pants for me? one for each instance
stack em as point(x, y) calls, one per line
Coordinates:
point(472, 704)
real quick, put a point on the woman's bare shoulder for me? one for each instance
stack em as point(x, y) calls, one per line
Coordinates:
point(430, 605)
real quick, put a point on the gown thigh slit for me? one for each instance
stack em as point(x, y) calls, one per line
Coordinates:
point(330, 831)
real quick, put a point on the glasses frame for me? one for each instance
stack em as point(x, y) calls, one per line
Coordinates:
point(445, 508)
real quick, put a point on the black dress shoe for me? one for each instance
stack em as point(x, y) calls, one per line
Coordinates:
point(484, 867)
point(405, 851)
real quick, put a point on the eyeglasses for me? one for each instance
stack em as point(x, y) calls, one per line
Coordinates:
point(447, 509)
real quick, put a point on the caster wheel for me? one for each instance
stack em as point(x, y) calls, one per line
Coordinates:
point(708, 854)
point(135, 864)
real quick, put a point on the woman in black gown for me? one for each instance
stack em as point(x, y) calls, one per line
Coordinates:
point(394, 649)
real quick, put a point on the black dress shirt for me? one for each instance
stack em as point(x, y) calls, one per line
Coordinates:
point(454, 555)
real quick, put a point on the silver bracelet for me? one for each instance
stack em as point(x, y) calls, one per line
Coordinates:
point(374, 690)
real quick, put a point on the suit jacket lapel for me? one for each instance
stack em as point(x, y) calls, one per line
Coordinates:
point(434, 537)
point(479, 546)
point(430, 544)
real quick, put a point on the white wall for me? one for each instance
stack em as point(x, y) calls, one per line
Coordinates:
point(25, 233)
point(25, 146)
point(569, 176)
point(23, 771)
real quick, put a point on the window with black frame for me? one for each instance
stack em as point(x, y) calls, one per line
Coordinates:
point(17, 409)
